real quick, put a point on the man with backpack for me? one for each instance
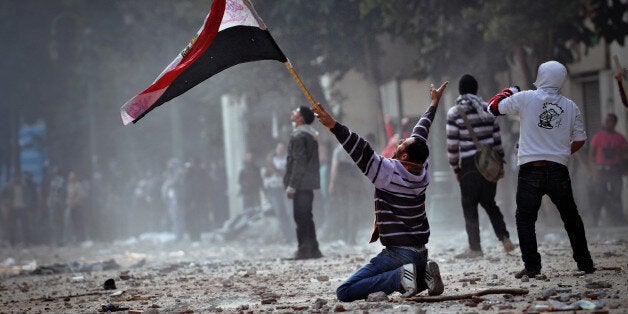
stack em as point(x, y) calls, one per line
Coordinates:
point(468, 127)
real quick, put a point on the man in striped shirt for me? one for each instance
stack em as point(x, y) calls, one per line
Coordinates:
point(400, 221)
point(461, 150)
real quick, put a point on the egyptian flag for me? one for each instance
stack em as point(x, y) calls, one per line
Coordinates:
point(233, 33)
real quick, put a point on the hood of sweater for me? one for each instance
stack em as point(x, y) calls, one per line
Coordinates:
point(551, 76)
point(475, 102)
point(308, 129)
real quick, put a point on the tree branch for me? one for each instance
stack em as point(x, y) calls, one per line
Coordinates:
point(464, 296)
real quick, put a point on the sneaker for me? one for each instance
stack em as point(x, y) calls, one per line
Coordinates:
point(433, 279)
point(525, 272)
point(508, 245)
point(408, 280)
point(470, 254)
point(300, 255)
point(588, 268)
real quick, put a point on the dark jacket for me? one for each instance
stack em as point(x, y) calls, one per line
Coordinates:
point(302, 168)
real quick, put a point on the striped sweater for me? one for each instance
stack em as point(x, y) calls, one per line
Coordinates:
point(459, 142)
point(400, 218)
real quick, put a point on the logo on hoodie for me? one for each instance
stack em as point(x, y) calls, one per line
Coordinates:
point(550, 117)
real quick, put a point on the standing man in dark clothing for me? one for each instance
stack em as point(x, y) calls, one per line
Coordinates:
point(461, 150)
point(14, 197)
point(251, 184)
point(607, 155)
point(195, 200)
point(302, 177)
point(552, 129)
point(219, 204)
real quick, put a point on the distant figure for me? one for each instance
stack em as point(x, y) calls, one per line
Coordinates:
point(461, 150)
point(170, 193)
point(552, 129)
point(56, 206)
point(302, 178)
point(400, 219)
point(273, 188)
point(346, 192)
point(392, 137)
point(195, 199)
point(219, 203)
point(251, 184)
point(14, 199)
point(75, 211)
point(35, 212)
point(608, 155)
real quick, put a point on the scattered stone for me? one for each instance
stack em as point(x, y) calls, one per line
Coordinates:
point(269, 301)
point(109, 307)
point(339, 308)
point(377, 297)
point(319, 304)
point(564, 297)
point(109, 284)
point(545, 294)
point(598, 285)
point(322, 278)
point(525, 278)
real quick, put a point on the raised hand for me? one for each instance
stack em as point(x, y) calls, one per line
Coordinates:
point(323, 116)
point(435, 94)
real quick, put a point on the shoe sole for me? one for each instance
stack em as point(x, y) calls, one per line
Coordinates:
point(433, 279)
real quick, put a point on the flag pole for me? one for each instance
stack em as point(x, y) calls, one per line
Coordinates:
point(295, 76)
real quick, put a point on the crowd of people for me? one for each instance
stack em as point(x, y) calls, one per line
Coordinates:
point(67, 208)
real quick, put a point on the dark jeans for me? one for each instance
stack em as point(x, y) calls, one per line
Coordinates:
point(383, 273)
point(606, 192)
point(553, 181)
point(306, 232)
point(475, 189)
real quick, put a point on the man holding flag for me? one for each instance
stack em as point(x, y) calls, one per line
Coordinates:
point(401, 223)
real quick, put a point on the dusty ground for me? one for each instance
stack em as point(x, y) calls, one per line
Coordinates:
point(156, 274)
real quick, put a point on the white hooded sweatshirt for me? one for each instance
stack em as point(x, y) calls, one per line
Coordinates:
point(549, 121)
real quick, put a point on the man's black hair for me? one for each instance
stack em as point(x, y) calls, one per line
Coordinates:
point(613, 117)
point(468, 85)
point(417, 151)
point(307, 114)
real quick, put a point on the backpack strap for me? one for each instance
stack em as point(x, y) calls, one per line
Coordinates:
point(468, 124)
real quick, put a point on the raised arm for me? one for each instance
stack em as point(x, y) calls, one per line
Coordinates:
point(422, 128)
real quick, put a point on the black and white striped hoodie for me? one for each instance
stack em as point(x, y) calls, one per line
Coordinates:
point(400, 218)
point(459, 142)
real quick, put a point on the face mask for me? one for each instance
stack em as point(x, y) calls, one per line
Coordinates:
point(294, 124)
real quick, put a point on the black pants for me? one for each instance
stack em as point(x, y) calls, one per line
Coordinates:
point(306, 232)
point(477, 190)
point(606, 193)
point(553, 181)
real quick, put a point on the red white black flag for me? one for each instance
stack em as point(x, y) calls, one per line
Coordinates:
point(233, 33)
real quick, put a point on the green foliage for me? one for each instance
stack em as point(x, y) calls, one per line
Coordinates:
point(67, 58)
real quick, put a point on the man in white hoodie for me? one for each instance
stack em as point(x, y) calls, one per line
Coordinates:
point(551, 129)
